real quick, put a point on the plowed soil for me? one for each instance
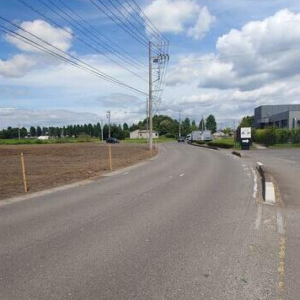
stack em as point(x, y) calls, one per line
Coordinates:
point(49, 166)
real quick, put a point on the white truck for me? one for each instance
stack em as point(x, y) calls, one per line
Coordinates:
point(201, 136)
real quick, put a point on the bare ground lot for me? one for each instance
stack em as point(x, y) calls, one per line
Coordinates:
point(49, 166)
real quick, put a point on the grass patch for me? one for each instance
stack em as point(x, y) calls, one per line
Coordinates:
point(50, 141)
point(282, 146)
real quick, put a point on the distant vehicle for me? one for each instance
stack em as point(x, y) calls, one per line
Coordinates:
point(43, 137)
point(181, 139)
point(201, 136)
point(112, 140)
point(207, 136)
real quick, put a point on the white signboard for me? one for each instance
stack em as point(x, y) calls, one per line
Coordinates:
point(246, 133)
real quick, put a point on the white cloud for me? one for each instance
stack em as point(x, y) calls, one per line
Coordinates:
point(57, 117)
point(20, 65)
point(203, 24)
point(260, 53)
point(180, 16)
point(17, 66)
point(58, 37)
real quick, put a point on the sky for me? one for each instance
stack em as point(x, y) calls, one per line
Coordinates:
point(226, 58)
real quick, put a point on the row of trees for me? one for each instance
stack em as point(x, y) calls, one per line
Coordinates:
point(164, 125)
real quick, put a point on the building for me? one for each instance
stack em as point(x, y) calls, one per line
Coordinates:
point(143, 134)
point(219, 134)
point(282, 116)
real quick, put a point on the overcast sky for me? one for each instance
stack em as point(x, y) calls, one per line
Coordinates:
point(226, 57)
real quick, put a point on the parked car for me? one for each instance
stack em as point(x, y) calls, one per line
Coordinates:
point(181, 139)
point(112, 140)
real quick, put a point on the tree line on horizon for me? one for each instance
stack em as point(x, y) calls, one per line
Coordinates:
point(164, 125)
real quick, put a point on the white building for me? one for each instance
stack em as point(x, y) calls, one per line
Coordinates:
point(143, 134)
point(219, 134)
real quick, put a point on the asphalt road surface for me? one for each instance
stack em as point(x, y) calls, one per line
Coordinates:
point(186, 225)
point(284, 165)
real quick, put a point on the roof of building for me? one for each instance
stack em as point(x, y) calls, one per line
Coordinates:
point(144, 131)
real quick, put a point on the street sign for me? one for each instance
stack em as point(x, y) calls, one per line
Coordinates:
point(245, 132)
point(245, 141)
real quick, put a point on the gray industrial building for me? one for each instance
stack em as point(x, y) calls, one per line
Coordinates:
point(282, 116)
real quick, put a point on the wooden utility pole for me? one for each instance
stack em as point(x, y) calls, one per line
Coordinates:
point(24, 173)
point(109, 158)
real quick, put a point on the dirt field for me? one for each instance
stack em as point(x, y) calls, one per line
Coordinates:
point(49, 166)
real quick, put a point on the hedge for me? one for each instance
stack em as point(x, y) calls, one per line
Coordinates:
point(221, 145)
point(273, 135)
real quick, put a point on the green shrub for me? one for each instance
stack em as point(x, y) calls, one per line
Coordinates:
point(169, 136)
point(270, 136)
point(259, 136)
point(295, 136)
point(84, 138)
point(282, 136)
point(221, 145)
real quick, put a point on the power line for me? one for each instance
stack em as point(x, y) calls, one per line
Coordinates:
point(87, 44)
point(81, 64)
point(132, 25)
point(128, 55)
point(158, 37)
point(150, 22)
point(115, 18)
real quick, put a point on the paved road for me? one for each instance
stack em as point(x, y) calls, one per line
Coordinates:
point(183, 226)
point(284, 164)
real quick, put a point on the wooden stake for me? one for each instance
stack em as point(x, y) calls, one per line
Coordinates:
point(24, 173)
point(109, 158)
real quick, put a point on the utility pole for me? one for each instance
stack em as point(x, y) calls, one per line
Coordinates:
point(19, 133)
point(108, 116)
point(147, 118)
point(102, 130)
point(150, 99)
point(179, 129)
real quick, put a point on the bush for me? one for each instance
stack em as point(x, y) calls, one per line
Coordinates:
point(84, 138)
point(282, 136)
point(221, 145)
point(295, 136)
point(259, 136)
point(270, 136)
point(169, 136)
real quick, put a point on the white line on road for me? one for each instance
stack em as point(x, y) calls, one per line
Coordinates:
point(258, 216)
point(255, 183)
point(280, 228)
point(181, 174)
point(126, 173)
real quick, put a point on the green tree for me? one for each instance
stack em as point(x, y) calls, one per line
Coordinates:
point(227, 130)
point(38, 131)
point(247, 121)
point(202, 124)
point(125, 126)
point(32, 131)
point(186, 127)
point(211, 123)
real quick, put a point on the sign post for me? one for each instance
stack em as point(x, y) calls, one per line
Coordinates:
point(245, 138)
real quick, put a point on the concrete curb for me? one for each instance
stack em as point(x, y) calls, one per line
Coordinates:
point(267, 183)
point(236, 153)
point(202, 146)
